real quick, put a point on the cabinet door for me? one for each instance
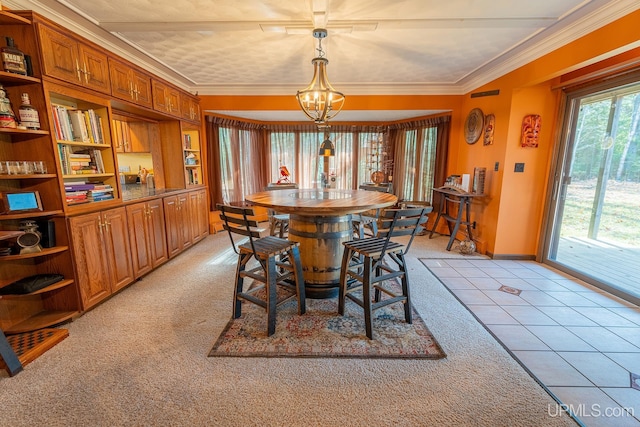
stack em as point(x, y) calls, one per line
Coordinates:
point(60, 55)
point(173, 95)
point(117, 247)
point(137, 218)
point(165, 98)
point(139, 139)
point(121, 84)
point(156, 228)
point(199, 215)
point(92, 267)
point(95, 69)
point(185, 219)
point(141, 88)
point(189, 108)
point(160, 100)
point(174, 234)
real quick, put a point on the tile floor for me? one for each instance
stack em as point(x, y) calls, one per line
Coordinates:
point(581, 343)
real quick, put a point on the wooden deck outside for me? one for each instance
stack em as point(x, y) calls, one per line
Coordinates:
point(616, 266)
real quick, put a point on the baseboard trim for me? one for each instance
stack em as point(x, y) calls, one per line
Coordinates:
point(511, 257)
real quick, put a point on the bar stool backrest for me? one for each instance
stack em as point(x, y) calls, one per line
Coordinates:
point(403, 222)
point(239, 220)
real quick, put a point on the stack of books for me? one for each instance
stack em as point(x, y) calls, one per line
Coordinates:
point(77, 192)
point(77, 125)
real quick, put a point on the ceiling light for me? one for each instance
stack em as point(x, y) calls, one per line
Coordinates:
point(320, 101)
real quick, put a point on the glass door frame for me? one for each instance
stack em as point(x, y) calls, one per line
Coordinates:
point(558, 178)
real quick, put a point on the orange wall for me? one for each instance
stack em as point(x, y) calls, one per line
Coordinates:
point(509, 218)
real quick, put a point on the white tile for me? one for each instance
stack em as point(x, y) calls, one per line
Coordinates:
point(627, 398)
point(497, 272)
point(630, 334)
point(604, 317)
point(566, 316)
point(629, 313)
point(516, 282)
point(559, 338)
point(592, 406)
point(505, 298)
point(629, 361)
point(551, 369)
point(441, 272)
point(458, 263)
point(430, 262)
point(545, 284)
point(457, 283)
point(471, 272)
point(472, 296)
point(492, 315)
point(528, 315)
point(607, 300)
point(485, 283)
point(525, 273)
point(572, 299)
point(602, 339)
point(540, 298)
point(598, 368)
point(517, 337)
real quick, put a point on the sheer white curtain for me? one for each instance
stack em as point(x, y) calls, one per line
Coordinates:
point(241, 163)
point(415, 157)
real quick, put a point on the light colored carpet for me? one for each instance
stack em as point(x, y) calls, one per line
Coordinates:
point(141, 359)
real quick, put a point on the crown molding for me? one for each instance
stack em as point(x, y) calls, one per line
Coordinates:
point(576, 25)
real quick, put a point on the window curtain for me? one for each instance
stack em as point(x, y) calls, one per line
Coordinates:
point(240, 152)
point(420, 157)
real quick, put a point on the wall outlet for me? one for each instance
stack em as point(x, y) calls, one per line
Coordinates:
point(519, 167)
point(496, 166)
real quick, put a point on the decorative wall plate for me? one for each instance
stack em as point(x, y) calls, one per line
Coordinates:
point(473, 126)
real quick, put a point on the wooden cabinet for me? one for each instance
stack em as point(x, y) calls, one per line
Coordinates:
point(131, 136)
point(165, 98)
point(68, 59)
point(147, 236)
point(177, 221)
point(58, 302)
point(199, 210)
point(103, 257)
point(130, 84)
point(190, 108)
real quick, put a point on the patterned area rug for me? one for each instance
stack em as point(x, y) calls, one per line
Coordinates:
point(322, 332)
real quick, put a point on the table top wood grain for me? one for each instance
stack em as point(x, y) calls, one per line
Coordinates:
point(327, 202)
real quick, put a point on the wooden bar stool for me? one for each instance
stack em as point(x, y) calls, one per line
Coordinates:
point(368, 263)
point(278, 265)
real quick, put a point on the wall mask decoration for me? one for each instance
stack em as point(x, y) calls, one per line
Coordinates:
point(489, 125)
point(530, 130)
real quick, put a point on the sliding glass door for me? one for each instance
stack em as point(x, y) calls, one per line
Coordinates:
point(594, 226)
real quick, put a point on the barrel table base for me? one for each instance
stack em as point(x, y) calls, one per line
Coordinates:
point(321, 249)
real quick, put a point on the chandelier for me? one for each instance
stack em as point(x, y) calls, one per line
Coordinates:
point(320, 101)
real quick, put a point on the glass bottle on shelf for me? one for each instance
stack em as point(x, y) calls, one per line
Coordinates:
point(13, 58)
point(7, 116)
point(29, 117)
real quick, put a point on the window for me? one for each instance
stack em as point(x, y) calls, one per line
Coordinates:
point(250, 157)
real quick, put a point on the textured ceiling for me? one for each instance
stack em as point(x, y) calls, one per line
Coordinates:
point(244, 47)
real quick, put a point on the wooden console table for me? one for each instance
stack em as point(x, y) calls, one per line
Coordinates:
point(454, 197)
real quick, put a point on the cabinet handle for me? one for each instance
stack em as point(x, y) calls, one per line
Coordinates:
point(136, 91)
point(86, 73)
point(131, 90)
point(78, 70)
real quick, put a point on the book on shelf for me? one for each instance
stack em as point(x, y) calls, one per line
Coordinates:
point(80, 160)
point(76, 125)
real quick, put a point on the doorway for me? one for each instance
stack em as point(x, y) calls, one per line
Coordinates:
point(594, 227)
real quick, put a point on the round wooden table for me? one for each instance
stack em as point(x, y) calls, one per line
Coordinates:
point(321, 221)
